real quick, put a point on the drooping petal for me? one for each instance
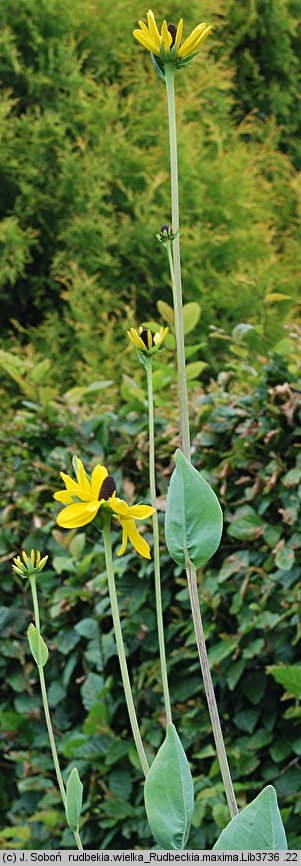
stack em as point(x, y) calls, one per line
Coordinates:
point(63, 496)
point(78, 514)
point(146, 41)
point(98, 476)
point(140, 512)
point(122, 549)
point(118, 505)
point(136, 539)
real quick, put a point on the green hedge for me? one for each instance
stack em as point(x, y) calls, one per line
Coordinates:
point(84, 169)
point(245, 444)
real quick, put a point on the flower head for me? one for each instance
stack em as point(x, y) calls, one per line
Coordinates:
point(167, 45)
point(86, 496)
point(145, 341)
point(166, 234)
point(30, 564)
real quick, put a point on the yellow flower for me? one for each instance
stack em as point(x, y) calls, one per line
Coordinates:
point(30, 563)
point(85, 497)
point(167, 44)
point(145, 341)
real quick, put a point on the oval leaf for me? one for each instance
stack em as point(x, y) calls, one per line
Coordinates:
point(194, 520)
point(37, 645)
point(191, 315)
point(194, 369)
point(257, 828)
point(168, 794)
point(166, 313)
point(74, 797)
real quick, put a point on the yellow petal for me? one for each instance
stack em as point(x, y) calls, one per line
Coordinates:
point(82, 478)
point(179, 32)
point(140, 512)
point(63, 496)
point(153, 29)
point(136, 539)
point(166, 36)
point(143, 26)
point(74, 488)
point(25, 557)
point(32, 556)
point(146, 41)
point(134, 337)
point(38, 559)
point(118, 505)
point(78, 514)
point(98, 476)
point(43, 561)
point(188, 45)
point(124, 541)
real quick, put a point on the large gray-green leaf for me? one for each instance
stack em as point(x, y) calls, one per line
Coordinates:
point(74, 796)
point(257, 828)
point(194, 520)
point(37, 645)
point(168, 793)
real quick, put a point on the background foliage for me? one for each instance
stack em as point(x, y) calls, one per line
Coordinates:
point(85, 187)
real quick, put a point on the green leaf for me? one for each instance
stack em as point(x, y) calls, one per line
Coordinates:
point(38, 372)
point(37, 646)
point(247, 525)
point(74, 797)
point(166, 313)
point(91, 690)
point(194, 369)
point(191, 315)
point(194, 521)
point(77, 544)
point(288, 676)
point(257, 828)
point(168, 794)
point(285, 558)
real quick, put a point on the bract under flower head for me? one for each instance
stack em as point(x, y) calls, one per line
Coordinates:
point(166, 46)
point(86, 496)
point(30, 565)
point(145, 341)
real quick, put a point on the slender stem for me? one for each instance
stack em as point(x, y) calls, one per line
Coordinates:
point(152, 484)
point(120, 646)
point(209, 690)
point(175, 265)
point(32, 581)
point(184, 432)
point(173, 251)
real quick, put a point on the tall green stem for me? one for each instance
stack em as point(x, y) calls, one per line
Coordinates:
point(152, 484)
point(175, 265)
point(120, 646)
point(33, 587)
point(173, 251)
point(209, 690)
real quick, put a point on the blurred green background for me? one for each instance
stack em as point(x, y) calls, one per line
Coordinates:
point(84, 168)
